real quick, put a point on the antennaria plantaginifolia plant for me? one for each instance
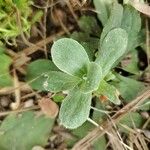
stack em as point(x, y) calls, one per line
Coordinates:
point(73, 71)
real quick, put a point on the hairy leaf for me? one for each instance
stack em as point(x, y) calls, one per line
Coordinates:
point(108, 91)
point(70, 56)
point(102, 9)
point(114, 20)
point(92, 79)
point(58, 81)
point(75, 109)
point(113, 47)
point(36, 71)
point(131, 22)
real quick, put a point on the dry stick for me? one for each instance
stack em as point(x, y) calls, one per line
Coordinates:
point(18, 111)
point(44, 32)
point(16, 104)
point(33, 48)
point(97, 132)
point(147, 41)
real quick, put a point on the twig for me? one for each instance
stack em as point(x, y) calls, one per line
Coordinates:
point(35, 47)
point(18, 111)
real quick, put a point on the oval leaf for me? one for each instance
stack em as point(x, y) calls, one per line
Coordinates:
point(109, 91)
point(113, 47)
point(58, 81)
point(5, 77)
point(94, 76)
point(36, 71)
point(24, 131)
point(114, 20)
point(69, 56)
point(75, 109)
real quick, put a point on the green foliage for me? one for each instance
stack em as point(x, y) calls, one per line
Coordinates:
point(89, 25)
point(36, 71)
point(93, 78)
point(130, 64)
point(5, 62)
point(131, 120)
point(81, 71)
point(75, 109)
point(131, 22)
point(23, 131)
point(10, 12)
point(114, 45)
point(129, 88)
point(59, 81)
point(109, 91)
point(114, 20)
point(103, 9)
point(70, 57)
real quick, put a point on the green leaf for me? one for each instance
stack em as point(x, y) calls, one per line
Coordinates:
point(129, 88)
point(89, 25)
point(109, 91)
point(131, 120)
point(113, 47)
point(131, 22)
point(5, 77)
point(130, 63)
point(89, 43)
point(58, 97)
point(114, 20)
point(102, 9)
point(92, 79)
point(75, 109)
point(70, 56)
point(35, 73)
point(24, 131)
point(58, 81)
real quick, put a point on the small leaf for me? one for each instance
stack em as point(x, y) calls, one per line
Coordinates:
point(130, 63)
point(114, 20)
point(5, 77)
point(35, 73)
point(129, 88)
point(131, 120)
point(24, 131)
point(48, 107)
point(58, 97)
point(75, 109)
point(102, 9)
point(131, 22)
point(89, 43)
point(69, 56)
point(109, 91)
point(93, 78)
point(113, 47)
point(58, 81)
point(89, 25)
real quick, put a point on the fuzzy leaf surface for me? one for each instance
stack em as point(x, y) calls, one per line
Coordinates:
point(36, 73)
point(75, 109)
point(70, 56)
point(114, 20)
point(93, 78)
point(58, 81)
point(113, 47)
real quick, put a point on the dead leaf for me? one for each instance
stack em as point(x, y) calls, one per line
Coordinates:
point(48, 107)
point(141, 7)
